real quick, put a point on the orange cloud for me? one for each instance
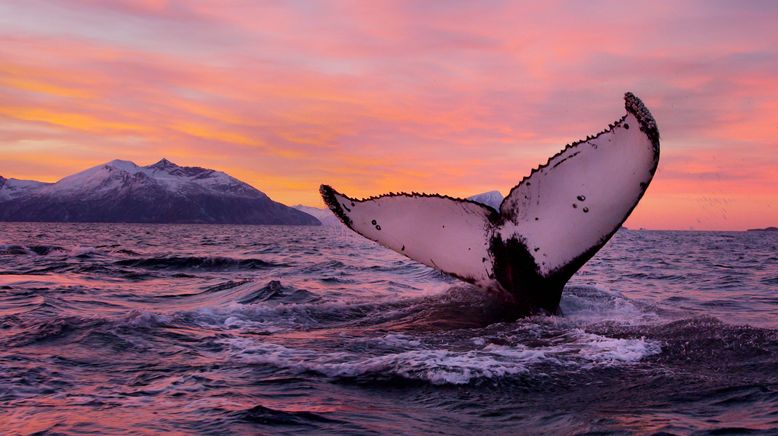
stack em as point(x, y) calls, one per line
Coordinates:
point(396, 95)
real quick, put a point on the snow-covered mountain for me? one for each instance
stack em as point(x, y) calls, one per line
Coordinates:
point(491, 198)
point(14, 188)
point(121, 191)
point(327, 218)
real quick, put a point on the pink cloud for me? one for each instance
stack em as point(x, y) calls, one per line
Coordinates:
point(375, 96)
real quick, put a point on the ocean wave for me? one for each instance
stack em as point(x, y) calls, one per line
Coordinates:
point(770, 280)
point(275, 316)
point(39, 250)
point(44, 250)
point(274, 417)
point(208, 263)
point(84, 251)
point(222, 286)
point(274, 291)
point(706, 341)
point(491, 362)
point(588, 304)
point(59, 329)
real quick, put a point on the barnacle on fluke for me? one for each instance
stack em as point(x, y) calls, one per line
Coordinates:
point(613, 168)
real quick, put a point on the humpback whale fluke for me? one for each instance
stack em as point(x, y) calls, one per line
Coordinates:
point(547, 227)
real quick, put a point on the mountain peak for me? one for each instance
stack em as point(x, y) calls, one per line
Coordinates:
point(491, 193)
point(122, 164)
point(490, 198)
point(163, 164)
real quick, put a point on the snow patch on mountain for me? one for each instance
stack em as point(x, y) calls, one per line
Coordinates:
point(13, 188)
point(121, 174)
point(491, 198)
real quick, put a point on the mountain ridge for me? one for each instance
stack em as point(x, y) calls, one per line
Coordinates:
point(163, 192)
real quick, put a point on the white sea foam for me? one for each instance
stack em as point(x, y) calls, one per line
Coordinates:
point(433, 365)
point(398, 340)
point(441, 365)
point(588, 305)
point(605, 350)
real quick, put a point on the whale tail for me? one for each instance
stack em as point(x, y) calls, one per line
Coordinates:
point(547, 227)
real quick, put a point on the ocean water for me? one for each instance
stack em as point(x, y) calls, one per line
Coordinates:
point(286, 330)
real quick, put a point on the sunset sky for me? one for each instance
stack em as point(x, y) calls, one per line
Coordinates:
point(453, 97)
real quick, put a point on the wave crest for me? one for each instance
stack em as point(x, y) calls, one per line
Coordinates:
point(209, 263)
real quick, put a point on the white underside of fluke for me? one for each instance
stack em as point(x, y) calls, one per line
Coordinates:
point(582, 195)
point(447, 234)
point(561, 214)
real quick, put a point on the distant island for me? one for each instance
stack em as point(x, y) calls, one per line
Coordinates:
point(766, 229)
point(121, 191)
